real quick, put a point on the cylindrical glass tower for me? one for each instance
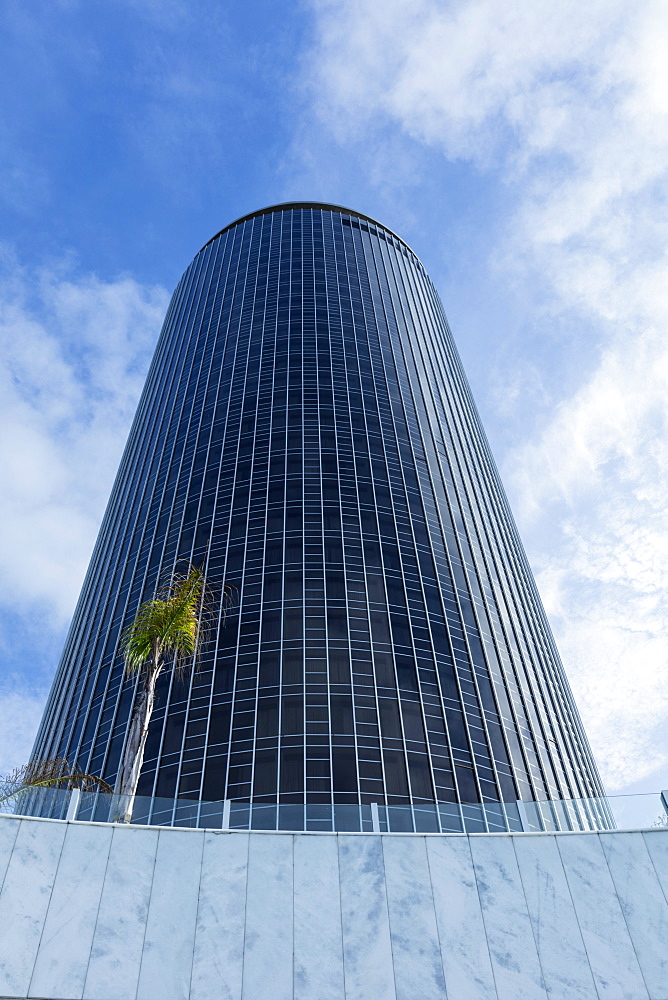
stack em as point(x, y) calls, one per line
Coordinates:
point(307, 430)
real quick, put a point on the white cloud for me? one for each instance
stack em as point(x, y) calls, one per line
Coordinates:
point(568, 105)
point(74, 355)
point(592, 488)
point(20, 714)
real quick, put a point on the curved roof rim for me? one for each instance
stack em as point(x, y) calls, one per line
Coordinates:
point(286, 205)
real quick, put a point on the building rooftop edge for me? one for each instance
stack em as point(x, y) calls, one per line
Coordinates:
point(286, 205)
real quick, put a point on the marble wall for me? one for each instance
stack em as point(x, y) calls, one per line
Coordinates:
point(112, 913)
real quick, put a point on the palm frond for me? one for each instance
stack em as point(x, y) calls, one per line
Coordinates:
point(53, 772)
point(168, 624)
point(174, 624)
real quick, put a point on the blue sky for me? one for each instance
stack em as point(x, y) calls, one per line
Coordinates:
point(520, 149)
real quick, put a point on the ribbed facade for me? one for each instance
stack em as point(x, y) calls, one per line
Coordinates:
point(307, 430)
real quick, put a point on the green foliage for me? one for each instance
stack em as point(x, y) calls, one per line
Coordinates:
point(171, 623)
point(54, 772)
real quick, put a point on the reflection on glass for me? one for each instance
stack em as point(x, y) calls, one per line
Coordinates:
point(307, 431)
point(623, 812)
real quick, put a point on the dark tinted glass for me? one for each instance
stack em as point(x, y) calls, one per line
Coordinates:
point(308, 434)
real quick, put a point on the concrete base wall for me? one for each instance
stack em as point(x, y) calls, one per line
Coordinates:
point(116, 913)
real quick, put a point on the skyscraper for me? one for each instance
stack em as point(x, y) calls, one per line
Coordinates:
point(307, 432)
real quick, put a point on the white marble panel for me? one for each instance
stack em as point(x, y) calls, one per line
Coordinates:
point(657, 845)
point(221, 917)
point(367, 948)
point(115, 959)
point(416, 952)
point(277, 916)
point(64, 951)
point(318, 971)
point(172, 914)
point(512, 947)
point(25, 899)
point(269, 918)
point(9, 827)
point(556, 930)
point(643, 904)
point(611, 954)
point(466, 961)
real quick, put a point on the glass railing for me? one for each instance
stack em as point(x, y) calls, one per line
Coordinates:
point(614, 812)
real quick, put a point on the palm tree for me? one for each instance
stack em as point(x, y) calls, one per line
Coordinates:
point(51, 772)
point(170, 627)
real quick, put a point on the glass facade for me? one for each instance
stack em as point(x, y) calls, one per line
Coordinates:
point(307, 431)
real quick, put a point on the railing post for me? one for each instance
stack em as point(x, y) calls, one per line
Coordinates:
point(226, 814)
point(375, 818)
point(524, 819)
point(73, 804)
point(664, 799)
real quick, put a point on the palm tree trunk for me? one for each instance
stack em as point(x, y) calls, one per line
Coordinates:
point(133, 755)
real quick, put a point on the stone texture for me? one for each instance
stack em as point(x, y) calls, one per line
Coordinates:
point(95, 912)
